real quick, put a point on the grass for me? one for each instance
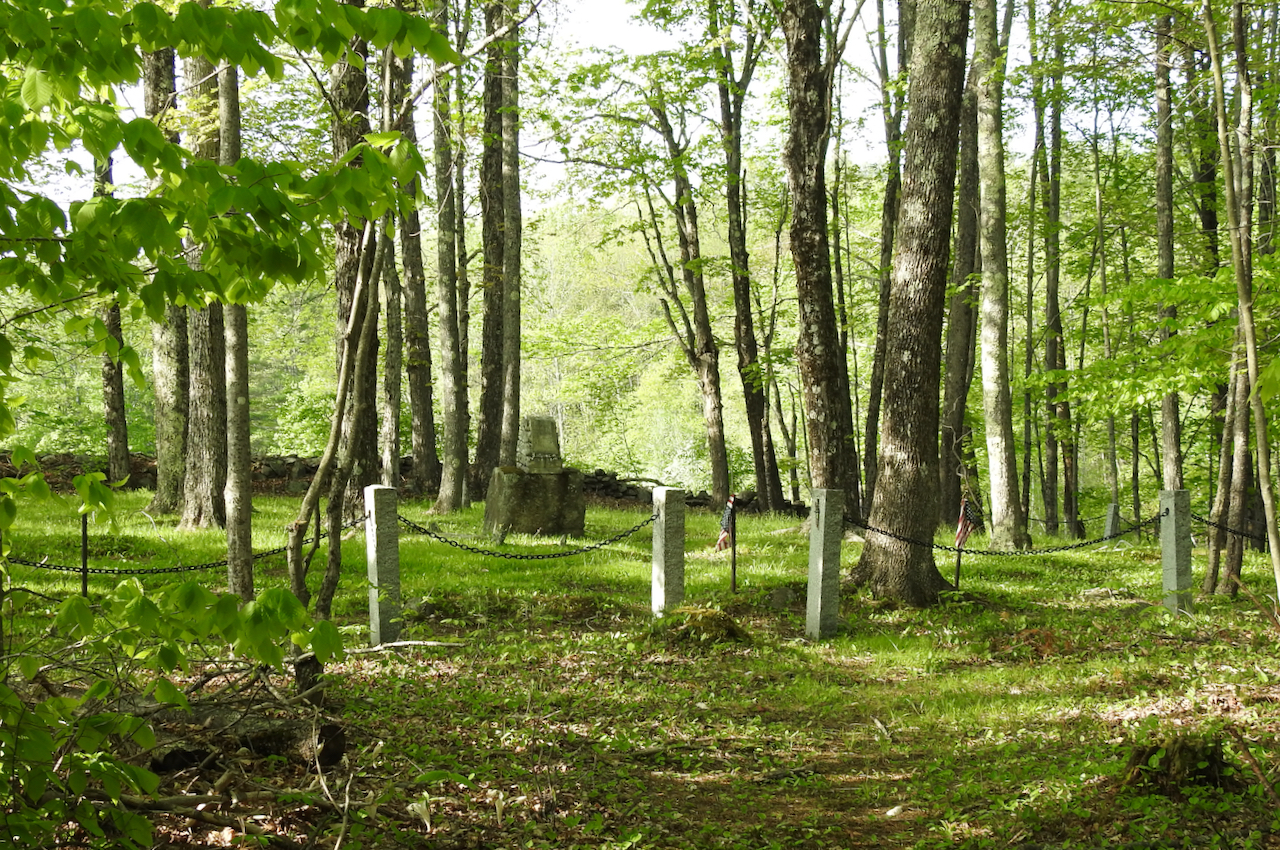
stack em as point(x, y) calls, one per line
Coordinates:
point(553, 712)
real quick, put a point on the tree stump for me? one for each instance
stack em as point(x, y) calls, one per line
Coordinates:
point(1179, 762)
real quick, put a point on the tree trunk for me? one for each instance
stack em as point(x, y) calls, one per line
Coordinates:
point(492, 216)
point(206, 474)
point(1233, 449)
point(1239, 220)
point(424, 475)
point(829, 419)
point(905, 500)
point(238, 492)
point(169, 363)
point(349, 86)
point(892, 96)
point(453, 357)
point(695, 334)
point(113, 407)
point(732, 84)
point(955, 455)
point(1171, 424)
point(1008, 525)
point(391, 298)
point(512, 236)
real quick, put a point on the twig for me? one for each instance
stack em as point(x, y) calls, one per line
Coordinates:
point(1253, 763)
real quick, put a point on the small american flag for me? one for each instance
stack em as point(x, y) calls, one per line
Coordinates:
point(970, 519)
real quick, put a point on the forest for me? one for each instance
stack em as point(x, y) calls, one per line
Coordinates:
point(943, 256)
point(608, 236)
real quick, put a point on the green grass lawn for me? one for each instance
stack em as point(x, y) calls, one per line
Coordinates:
point(541, 705)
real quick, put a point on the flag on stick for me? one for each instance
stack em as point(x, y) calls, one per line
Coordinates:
point(726, 526)
point(969, 520)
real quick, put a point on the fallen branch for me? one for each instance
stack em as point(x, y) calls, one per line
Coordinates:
point(1253, 763)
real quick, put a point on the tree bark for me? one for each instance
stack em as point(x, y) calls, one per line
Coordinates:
point(732, 84)
point(424, 475)
point(1170, 422)
point(1239, 221)
point(453, 357)
point(1008, 525)
point(892, 97)
point(902, 567)
point(206, 458)
point(512, 249)
point(238, 491)
point(349, 87)
point(391, 298)
point(169, 363)
point(828, 417)
point(956, 454)
point(492, 218)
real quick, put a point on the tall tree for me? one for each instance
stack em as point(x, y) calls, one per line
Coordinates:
point(733, 79)
point(424, 474)
point(902, 567)
point(512, 237)
point(391, 300)
point(237, 494)
point(1008, 524)
point(813, 49)
point(453, 356)
point(350, 123)
point(956, 451)
point(1237, 197)
point(206, 459)
point(1059, 435)
point(118, 465)
point(893, 90)
point(169, 363)
point(1170, 421)
point(492, 225)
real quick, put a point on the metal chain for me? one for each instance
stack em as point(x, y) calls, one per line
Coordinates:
point(1228, 529)
point(515, 556)
point(185, 568)
point(1080, 545)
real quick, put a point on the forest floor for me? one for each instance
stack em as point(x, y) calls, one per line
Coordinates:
point(537, 704)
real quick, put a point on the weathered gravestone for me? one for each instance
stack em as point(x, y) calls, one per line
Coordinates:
point(539, 495)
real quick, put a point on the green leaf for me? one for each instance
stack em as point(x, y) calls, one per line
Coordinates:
point(74, 615)
point(166, 692)
point(30, 667)
point(37, 89)
point(326, 642)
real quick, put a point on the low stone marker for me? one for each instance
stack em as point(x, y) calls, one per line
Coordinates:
point(539, 495)
point(826, 528)
point(382, 549)
point(668, 549)
point(1175, 548)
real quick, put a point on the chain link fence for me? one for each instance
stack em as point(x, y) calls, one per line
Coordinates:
point(620, 536)
point(518, 556)
point(1081, 544)
point(84, 569)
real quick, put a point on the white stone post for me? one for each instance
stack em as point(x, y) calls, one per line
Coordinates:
point(826, 528)
point(668, 549)
point(1112, 528)
point(1175, 548)
point(382, 548)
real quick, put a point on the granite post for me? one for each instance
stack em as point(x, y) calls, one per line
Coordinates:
point(668, 549)
point(1112, 528)
point(826, 528)
point(382, 547)
point(1175, 548)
